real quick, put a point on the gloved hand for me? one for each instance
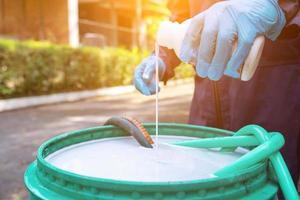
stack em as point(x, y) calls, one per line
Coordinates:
point(144, 75)
point(217, 28)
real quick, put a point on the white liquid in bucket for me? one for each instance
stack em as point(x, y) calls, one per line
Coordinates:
point(123, 159)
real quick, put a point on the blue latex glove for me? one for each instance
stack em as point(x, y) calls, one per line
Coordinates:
point(144, 75)
point(217, 28)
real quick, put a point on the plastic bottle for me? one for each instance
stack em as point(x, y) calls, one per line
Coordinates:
point(171, 35)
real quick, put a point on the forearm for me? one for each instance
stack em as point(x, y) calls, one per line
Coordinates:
point(290, 8)
point(170, 60)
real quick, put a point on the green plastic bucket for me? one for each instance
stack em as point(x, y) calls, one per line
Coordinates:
point(45, 181)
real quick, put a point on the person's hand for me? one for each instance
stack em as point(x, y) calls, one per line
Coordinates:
point(144, 75)
point(212, 34)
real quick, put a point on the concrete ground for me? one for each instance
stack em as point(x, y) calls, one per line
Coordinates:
point(23, 131)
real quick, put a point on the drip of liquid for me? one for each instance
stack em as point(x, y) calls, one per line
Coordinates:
point(156, 93)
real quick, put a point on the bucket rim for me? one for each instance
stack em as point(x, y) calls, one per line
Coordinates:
point(60, 180)
point(67, 136)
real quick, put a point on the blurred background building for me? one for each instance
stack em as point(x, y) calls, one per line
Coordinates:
point(99, 23)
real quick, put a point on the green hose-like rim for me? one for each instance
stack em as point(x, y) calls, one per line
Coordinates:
point(70, 184)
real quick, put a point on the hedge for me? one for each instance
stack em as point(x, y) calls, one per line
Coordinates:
point(34, 68)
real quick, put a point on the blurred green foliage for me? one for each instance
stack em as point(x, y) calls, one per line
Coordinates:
point(34, 68)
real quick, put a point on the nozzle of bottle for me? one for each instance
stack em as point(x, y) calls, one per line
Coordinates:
point(171, 35)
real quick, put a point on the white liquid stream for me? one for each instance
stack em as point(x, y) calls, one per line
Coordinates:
point(123, 158)
point(156, 94)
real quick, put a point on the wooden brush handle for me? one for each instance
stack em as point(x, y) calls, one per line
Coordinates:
point(253, 58)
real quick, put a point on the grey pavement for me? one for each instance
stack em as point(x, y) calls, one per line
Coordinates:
point(23, 131)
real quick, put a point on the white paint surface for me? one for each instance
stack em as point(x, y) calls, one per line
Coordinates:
point(123, 159)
